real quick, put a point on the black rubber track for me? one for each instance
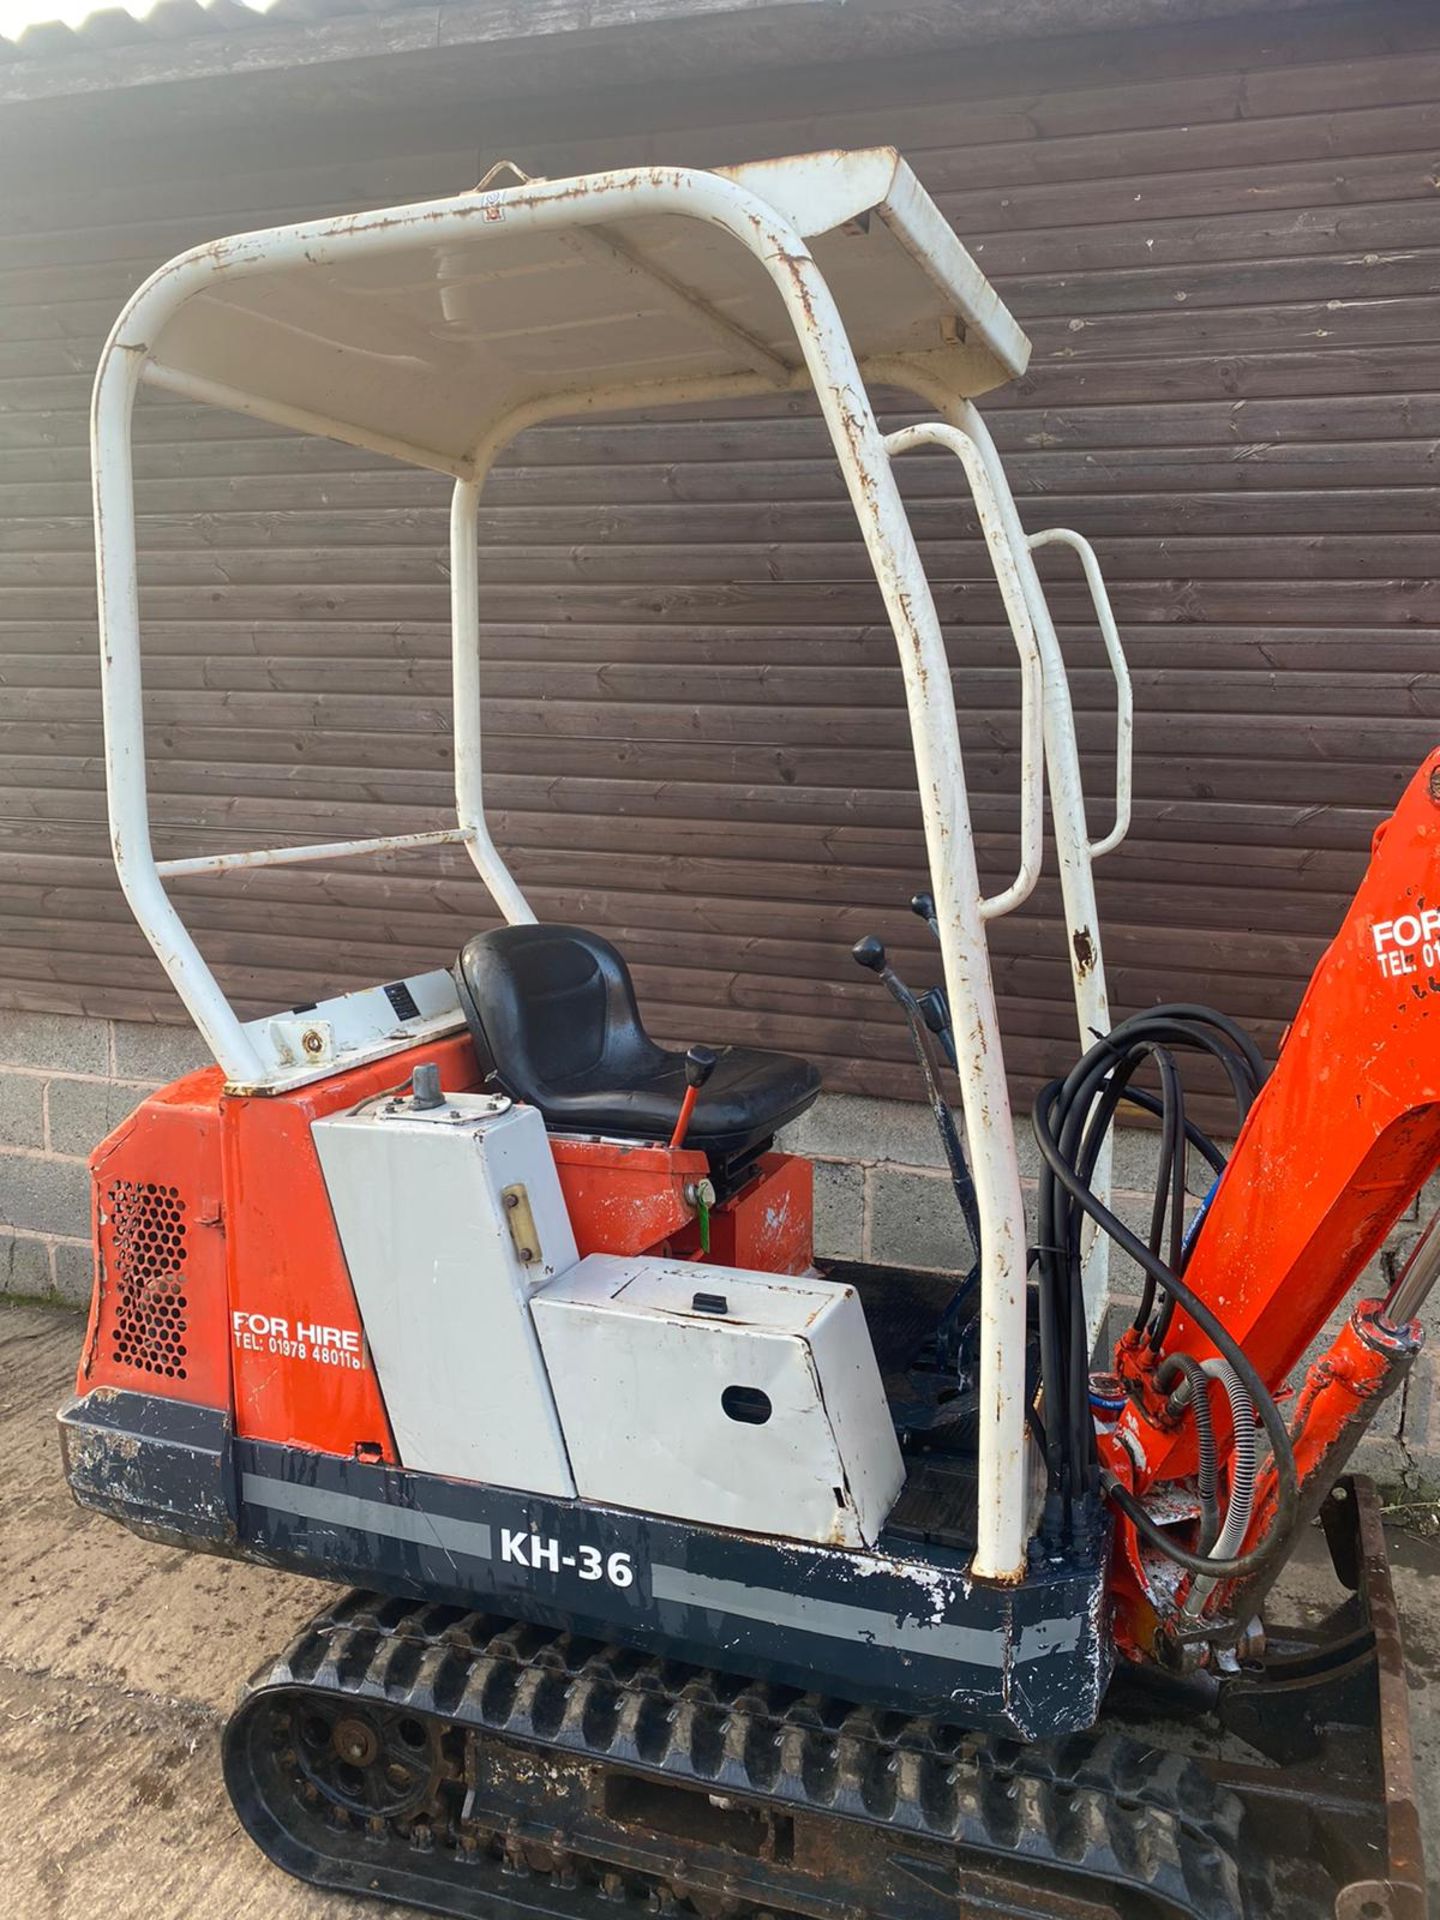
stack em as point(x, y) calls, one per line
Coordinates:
point(541, 1775)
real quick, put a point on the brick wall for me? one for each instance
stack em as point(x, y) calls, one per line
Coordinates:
point(881, 1192)
point(65, 1082)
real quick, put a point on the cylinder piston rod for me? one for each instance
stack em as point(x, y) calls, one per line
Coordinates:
point(1415, 1279)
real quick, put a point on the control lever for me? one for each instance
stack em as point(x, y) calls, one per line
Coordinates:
point(934, 1007)
point(870, 954)
point(700, 1063)
point(935, 1012)
point(923, 906)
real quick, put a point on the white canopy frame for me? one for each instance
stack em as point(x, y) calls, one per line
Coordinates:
point(978, 350)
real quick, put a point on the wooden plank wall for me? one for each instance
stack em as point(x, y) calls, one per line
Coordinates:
point(1223, 242)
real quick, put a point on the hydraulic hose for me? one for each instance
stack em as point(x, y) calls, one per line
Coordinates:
point(1194, 1393)
point(1219, 1336)
point(1170, 1181)
point(1242, 1479)
point(1276, 1431)
point(1070, 1119)
point(1080, 1111)
point(1242, 1470)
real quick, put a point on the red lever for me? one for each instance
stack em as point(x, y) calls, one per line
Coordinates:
point(699, 1065)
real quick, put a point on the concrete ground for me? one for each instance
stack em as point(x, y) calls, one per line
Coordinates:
point(119, 1661)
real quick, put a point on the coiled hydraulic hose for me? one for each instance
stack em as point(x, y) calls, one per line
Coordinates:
point(1242, 1475)
point(1195, 1393)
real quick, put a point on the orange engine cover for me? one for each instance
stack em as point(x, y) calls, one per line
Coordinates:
point(624, 1197)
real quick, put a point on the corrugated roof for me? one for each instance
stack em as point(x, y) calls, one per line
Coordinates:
point(529, 49)
point(175, 20)
point(562, 44)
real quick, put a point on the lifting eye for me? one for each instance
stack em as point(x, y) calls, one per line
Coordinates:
point(749, 1405)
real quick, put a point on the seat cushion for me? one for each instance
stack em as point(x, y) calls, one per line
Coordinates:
point(748, 1097)
point(552, 1012)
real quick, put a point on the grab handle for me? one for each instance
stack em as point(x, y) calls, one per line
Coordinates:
point(1032, 752)
point(1124, 702)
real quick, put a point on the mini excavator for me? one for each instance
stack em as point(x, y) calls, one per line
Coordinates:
point(685, 1575)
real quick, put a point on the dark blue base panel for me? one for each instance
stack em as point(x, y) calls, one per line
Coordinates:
point(902, 1626)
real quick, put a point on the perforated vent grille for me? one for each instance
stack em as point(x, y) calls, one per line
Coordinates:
point(147, 1261)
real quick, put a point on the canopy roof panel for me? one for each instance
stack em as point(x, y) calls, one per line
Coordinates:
point(426, 327)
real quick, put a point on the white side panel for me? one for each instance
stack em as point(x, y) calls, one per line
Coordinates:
point(297, 1048)
point(443, 1293)
point(641, 1376)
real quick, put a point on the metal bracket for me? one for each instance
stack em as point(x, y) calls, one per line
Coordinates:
point(521, 1222)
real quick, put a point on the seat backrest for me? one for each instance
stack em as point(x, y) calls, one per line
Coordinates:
point(552, 1008)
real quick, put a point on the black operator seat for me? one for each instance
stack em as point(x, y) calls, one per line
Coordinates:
point(552, 1013)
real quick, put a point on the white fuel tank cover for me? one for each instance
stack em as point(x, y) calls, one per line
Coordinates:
point(729, 1398)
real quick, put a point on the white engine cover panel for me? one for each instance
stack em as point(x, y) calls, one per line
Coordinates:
point(646, 1383)
point(443, 1293)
